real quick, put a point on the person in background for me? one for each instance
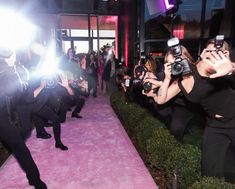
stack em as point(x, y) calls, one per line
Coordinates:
point(101, 82)
point(92, 73)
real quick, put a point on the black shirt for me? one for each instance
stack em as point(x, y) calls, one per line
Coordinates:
point(214, 95)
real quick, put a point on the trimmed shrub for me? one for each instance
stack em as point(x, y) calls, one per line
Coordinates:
point(159, 146)
point(144, 131)
point(211, 182)
point(180, 163)
point(183, 165)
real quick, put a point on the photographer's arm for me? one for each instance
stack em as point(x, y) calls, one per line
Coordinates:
point(167, 91)
point(37, 91)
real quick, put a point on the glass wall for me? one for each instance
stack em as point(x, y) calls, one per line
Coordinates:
point(194, 22)
point(85, 33)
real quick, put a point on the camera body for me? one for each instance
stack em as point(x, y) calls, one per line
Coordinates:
point(51, 82)
point(75, 83)
point(181, 66)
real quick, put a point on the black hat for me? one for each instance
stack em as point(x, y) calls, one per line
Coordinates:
point(5, 52)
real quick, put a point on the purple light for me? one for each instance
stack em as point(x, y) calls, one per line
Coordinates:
point(168, 5)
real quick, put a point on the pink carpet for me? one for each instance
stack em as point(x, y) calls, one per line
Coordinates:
point(100, 155)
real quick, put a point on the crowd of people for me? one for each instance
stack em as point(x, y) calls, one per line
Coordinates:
point(203, 89)
point(184, 90)
point(31, 98)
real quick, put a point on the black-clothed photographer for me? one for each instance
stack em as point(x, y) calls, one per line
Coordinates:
point(10, 89)
point(37, 98)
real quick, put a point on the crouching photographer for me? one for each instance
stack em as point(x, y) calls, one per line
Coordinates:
point(10, 89)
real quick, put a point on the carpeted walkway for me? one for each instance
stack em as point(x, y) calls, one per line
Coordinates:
point(100, 155)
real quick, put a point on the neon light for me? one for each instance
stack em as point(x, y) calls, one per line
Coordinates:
point(179, 32)
point(168, 5)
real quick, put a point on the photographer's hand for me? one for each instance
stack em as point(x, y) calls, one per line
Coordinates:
point(150, 93)
point(65, 83)
point(220, 63)
point(155, 82)
point(167, 70)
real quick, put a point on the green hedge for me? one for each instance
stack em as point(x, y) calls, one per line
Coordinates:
point(212, 183)
point(179, 162)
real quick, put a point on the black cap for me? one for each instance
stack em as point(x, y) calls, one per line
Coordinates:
point(5, 52)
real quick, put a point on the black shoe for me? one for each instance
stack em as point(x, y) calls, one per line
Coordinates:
point(61, 146)
point(39, 185)
point(76, 115)
point(43, 135)
point(94, 95)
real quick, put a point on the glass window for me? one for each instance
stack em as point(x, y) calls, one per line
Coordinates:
point(81, 46)
point(218, 18)
point(74, 22)
point(93, 29)
point(185, 23)
point(66, 45)
point(79, 33)
point(95, 47)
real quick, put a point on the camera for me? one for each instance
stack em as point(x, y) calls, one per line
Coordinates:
point(75, 83)
point(147, 87)
point(51, 82)
point(181, 66)
point(219, 40)
point(140, 72)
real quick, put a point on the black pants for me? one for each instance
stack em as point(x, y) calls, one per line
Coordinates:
point(46, 113)
point(76, 101)
point(24, 116)
point(216, 142)
point(181, 117)
point(12, 137)
point(79, 103)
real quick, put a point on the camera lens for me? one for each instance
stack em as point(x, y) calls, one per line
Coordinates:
point(177, 68)
point(147, 87)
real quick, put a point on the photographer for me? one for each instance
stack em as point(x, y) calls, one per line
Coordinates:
point(10, 89)
point(124, 82)
point(207, 86)
point(37, 97)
